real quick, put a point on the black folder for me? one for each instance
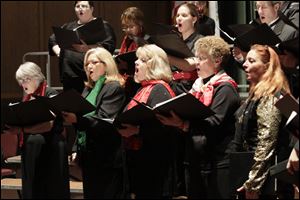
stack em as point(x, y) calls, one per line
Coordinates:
point(70, 101)
point(239, 167)
point(89, 33)
point(291, 45)
point(172, 44)
point(289, 107)
point(129, 58)
point(27, 113)
point(44, 109)
point(184, 105)
point(65, 38)
point(280, 172)
point(246, 35)
point(240, 164)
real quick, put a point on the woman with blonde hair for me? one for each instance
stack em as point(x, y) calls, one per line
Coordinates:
point(258, 120)
point(149, 145)
point(207, 140)
point(98, 143)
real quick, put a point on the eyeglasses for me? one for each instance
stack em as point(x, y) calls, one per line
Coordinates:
point(24, 80)
point(95, 62)
point(126, 27)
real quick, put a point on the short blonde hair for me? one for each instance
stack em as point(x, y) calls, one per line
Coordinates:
point(29, 70)
point(214, 46)
point(158, 67)
point(111, 70)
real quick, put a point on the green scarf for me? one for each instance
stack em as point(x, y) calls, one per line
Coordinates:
point(92, 98)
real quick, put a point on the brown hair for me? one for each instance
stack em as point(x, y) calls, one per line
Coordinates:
point(133, 14)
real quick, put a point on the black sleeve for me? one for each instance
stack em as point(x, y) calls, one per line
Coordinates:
point(110, 41)
point(52, 41)
point(110, 104)
point(158, 95)
point(225, 99)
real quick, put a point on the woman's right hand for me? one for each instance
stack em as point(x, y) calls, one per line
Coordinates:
point(72, 158)
point(238, 54)
point(56, 50)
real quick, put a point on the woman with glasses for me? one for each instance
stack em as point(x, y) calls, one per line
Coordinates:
point(45, 171)
point(207, 140)
point(98, 143)
point(132, 20)
point(72, 74)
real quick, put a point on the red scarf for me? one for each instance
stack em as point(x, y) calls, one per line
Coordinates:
point(206, 92)
point(127, 45)
point(143, 95)
point(40, 91)
point(134, 142)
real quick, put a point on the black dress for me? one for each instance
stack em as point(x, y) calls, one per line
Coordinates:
point(149, 166)
point(207, 144)
point(71, 71)
point(45, 170)
point(101, 159)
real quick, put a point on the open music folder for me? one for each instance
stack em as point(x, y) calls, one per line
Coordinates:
point(44, 109)
point(89, 32)
point(184, 105)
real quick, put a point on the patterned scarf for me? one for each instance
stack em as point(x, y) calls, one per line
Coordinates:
point(40, 91)
point(205, 92)
point(134, 142)
point(92, 98)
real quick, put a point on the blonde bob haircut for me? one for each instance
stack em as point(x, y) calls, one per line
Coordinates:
point(158, 67)
point(29, 70)
point(111, 70)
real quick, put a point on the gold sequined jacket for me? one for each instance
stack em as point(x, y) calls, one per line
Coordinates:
point(258, 123)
